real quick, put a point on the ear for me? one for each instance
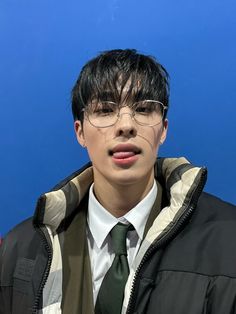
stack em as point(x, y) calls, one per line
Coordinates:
point(78, 127)
point(164, 131)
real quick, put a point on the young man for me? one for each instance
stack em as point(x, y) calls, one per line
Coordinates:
point(129, 232)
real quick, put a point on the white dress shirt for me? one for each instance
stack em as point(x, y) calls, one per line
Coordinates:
point(99, 224)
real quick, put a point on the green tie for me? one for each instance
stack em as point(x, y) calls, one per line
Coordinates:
point(111, 293)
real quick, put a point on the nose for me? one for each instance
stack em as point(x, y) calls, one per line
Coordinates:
point(126, 125)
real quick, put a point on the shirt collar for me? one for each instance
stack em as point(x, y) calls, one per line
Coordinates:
point(139, 214)
point(100, 221)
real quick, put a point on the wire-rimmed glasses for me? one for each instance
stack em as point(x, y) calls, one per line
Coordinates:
point(102, 114)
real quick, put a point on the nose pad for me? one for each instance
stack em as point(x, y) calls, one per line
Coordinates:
point(126, 124)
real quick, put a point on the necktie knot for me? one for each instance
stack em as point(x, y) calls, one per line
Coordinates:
point(118, 237)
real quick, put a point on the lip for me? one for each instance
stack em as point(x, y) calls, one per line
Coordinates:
point(125, 155)
point(124, 148)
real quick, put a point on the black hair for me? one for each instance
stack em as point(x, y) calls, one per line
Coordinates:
point(117, 74)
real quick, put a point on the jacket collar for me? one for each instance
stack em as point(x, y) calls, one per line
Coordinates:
point(176, 175)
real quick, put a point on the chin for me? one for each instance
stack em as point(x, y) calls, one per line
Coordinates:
point(127, 178)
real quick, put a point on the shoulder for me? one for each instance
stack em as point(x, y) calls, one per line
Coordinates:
point(23, 230)
point(215, 208)
point(22, 240)
point(212, 229)
point(206, 244)
point(214, 200)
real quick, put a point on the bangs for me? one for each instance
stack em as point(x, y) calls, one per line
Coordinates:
point(121, 75)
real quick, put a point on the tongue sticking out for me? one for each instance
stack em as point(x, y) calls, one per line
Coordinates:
point(123, 155)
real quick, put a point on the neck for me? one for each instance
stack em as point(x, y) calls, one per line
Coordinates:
point(119, 199)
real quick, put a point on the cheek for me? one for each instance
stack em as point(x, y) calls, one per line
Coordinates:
point(95, 141)
point(90, 134)
point(158, 137)
point(151, 138)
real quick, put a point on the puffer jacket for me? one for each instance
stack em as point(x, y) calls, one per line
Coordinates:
point(186, 264)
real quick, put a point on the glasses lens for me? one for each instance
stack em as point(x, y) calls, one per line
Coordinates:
point(148, 112)
point(103, 113)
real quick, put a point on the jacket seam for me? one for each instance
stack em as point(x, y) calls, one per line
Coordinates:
point(196, 273)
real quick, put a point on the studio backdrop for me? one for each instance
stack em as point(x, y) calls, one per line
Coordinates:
point(44, 44)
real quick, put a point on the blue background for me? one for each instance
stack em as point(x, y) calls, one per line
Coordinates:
point(43, 45)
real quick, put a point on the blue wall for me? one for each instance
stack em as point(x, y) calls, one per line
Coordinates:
point(43, 45)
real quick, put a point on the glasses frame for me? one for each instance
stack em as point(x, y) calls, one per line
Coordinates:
point(164, 108)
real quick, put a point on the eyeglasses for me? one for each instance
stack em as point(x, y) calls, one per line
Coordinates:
point(103, 114)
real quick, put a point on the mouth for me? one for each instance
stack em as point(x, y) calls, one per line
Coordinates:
point(124, 152)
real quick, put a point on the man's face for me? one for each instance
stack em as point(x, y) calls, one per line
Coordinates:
point(122, 154)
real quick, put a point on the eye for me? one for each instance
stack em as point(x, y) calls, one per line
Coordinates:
point(104, 108)
point(144, 107)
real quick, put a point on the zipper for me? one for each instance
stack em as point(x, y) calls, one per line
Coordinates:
point(47, 270)
point(169, 236)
